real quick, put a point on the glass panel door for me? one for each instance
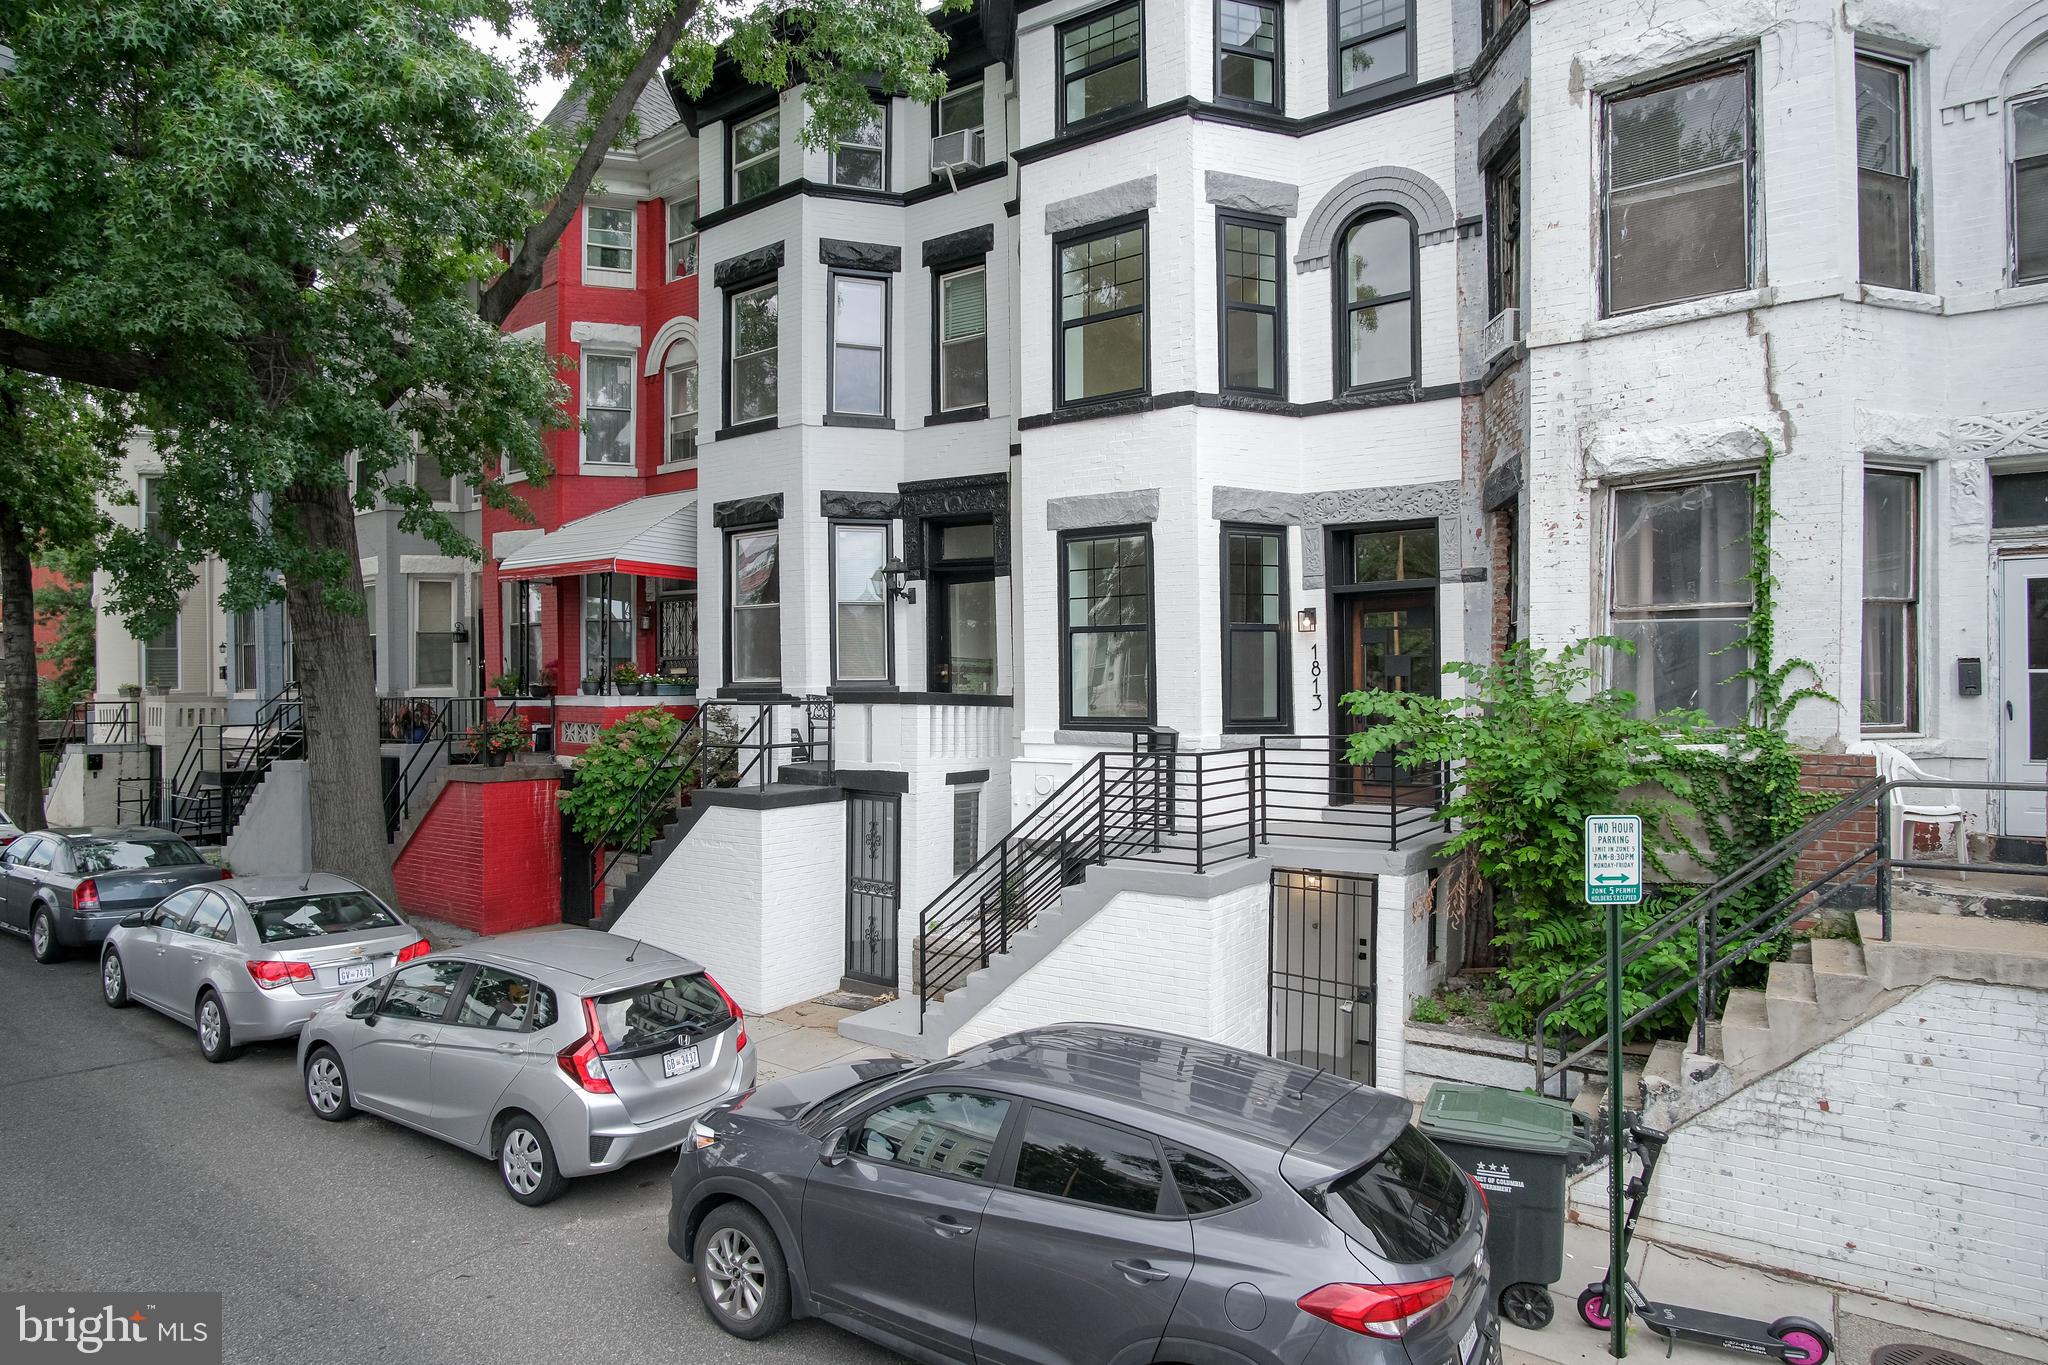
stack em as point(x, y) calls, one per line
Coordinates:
point(1387, 643)
point(2023, 700)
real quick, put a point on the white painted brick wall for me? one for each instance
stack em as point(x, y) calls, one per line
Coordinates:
point(1907, 1158)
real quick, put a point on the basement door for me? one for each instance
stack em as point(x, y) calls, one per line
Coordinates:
point(873, 853)
point(1321, 973)
point(2023, 693)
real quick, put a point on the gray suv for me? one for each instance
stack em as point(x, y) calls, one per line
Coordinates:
point(1088, 1193)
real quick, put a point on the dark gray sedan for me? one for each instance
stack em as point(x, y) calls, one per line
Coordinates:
point(1089, 1193)
point(67, 888)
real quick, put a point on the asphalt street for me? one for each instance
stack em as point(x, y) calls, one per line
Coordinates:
point(127, 1162)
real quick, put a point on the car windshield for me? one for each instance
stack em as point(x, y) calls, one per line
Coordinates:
point(841, 1101)
point(99, 856)
point(1407, 1204)
point(659, 1012)
point(335, 912)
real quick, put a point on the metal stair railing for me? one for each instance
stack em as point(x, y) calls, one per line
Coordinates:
point(432, 726)
point(1718, 948)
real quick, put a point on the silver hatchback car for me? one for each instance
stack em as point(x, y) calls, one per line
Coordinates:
point(250, 959)
point(555, 1052)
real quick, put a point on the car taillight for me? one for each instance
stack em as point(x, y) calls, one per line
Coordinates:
point(271, 975)
point(1380, 1310)
point(226, 875)
point(739, 1016)
point(86, 895)
point(584, 1058)
point(1485, 1204)
point(418, 948)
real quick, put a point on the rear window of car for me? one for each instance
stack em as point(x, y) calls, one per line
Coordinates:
point(338, 912)
point(660, 1012)
point(97, 856)
point(1407, 1203)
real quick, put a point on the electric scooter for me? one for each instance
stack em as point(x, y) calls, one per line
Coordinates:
point(1796, 1341)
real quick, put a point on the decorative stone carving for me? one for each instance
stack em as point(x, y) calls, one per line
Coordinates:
point(861, 506)
point(1969, 501)
point(1979, 69)
point(1616, 450)
point(859, 255)
point(1643, 50)
point(1397, 186)
point(973, 495)
point(749, 267)
point(959, 248)
point(1099, 206)
point(1339, 507)
point(747, 511)
point(1902, 435)
point(2003, 433)
point(1125, 508)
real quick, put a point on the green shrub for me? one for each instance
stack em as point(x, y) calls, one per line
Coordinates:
point(637, 764)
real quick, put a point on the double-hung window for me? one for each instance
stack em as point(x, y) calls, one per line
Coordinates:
point(679, 383)
point(1102, 64)
point(1253, 324)
point(860, 338)
point(1254, 628)
point(755, 338)
point(682, 236)
point(1679, 190)
point(963, 339)
point(860, 160)
point(756, 154)
point(1106, 622)
point(607, 409)
point(1680, 592)
point(753, 588)
point(607, 239)
point(1378, 326)
point(1371, 46)
point(370, 619)
point(431, 478)
point(1891, 599)
point(245, 651)
point(2030, 189)
point(1504, 233)
point(1101, 321)
point(433, 632)
point(860, 608)
point(1884, 174)
point(1248, 53)
point(960, 110)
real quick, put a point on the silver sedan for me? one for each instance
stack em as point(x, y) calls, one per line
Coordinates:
point(554, 1052)
point(254, 958)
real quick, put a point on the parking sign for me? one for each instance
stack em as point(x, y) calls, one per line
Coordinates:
point(1614, 860)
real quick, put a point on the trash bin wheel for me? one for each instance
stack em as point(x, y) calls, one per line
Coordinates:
point(1527, 1305)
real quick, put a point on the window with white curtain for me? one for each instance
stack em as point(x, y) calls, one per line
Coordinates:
point(682, 236)
point(963, 339)
point(679, 385)
point(607, 409)
point(433, 632)
point(860, 607)
point(607, 239)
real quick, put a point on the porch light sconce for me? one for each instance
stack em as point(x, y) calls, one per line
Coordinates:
point(893, 574)
point(223, 649)
point(459, 634)
point(1305, 620)
point(646, 620)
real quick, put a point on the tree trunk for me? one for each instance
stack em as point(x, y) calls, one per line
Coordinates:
point(338, 692)
point(23, 766)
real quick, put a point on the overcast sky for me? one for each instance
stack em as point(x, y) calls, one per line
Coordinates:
point(539, 98)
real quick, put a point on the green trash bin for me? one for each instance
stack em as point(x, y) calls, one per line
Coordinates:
point(1516, 1147)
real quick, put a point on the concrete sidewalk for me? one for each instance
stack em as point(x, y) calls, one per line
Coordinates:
point(1860, 1325)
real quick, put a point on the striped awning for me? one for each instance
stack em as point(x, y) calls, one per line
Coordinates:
point(654, 537)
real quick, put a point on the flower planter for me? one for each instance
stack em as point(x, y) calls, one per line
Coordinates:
point(629, 689)
point(540, 691)
point(669, 690)
point(493, 758)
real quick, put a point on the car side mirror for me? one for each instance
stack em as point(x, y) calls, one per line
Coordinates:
point(136, 921)
point(365, 1008)
point(837, 1146)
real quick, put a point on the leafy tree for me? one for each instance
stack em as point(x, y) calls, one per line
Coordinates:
point(67, 605)
point(55, 445)
point(274, 229)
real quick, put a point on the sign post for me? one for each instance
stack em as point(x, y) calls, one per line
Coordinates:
point(1614, 878)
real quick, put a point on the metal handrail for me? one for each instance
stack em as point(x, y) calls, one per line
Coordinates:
point(446, 719)
point(1718, 948)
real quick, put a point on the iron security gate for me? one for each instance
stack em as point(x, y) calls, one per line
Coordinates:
point(873, 845)
point(1321, 973)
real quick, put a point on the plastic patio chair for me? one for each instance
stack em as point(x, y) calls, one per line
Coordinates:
point(1931, 805)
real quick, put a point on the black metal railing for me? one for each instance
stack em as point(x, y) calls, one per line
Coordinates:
point(222, 764)
point(436, 731)
point(1308, 790)
point(1857, 869)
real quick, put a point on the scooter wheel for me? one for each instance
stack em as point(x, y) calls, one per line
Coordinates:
point(1593, 1307)
point(1527, 1305)
point(1806, 1342)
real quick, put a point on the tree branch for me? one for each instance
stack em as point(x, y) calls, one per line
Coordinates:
point(523, 273)
point(125, 371)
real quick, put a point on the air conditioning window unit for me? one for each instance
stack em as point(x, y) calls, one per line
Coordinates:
point(958, 151)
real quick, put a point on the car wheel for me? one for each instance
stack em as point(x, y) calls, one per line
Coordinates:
point(526, 1162)
point(42, 937)
point(327, 1086)
point(216, 1043)
point(113, 980)
point(741, 1275)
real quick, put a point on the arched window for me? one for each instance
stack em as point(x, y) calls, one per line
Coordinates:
point(2027, 103)
point(679, 380)
point(1376, 322)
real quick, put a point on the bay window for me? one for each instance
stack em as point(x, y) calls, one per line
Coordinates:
point(860, 603)
point(679, 388)
point(1378, 325)
point(963, 340)
point(860, 160)
point(756, 154)
point(1680, 592)
point(859, 345)
point(607, 409)
point(1254, 628)
point(607, 239)
point(1891, 600)
point(1102, 65)
point(1884, 174)
point(682, 237)
point(754, 337)
point(1248, 53)
point(1101, 319)
point(1106, 627)
point(1253, 326)
point(1679, 193)
point(753, 589)
point(1371, 46)
point(2030, 188)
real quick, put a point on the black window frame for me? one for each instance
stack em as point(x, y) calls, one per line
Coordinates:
point(733, 197)
point(1226, 219)
point(1339, 258)
point(1068, 630)
point(883, 114)
point(887, 682)
point(1604, 149)
point(1499, 237)
point(1908, 177)
point(2014, 165)
point(1278, 57)
point(942, 572)
point(732, 535)
point(980, 85)
point(1283, 719)
point(1063, 78)
point(967, 810)
point(1167, 1209)
point(733, 294)
point(940, 274)
point(1089, 233)
point(1339, 97)
point(832, 279)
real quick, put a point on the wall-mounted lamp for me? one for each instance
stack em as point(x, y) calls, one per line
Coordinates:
point(893, 574)
point(1305, 620)
point(223, 649)
point(646, 619)
point(459, 634)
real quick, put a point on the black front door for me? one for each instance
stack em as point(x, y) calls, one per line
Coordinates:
point(873, 846)
point(1384, 601)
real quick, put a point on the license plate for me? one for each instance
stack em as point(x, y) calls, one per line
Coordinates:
point(349, 975)
point(1468, 1342)
point(678, 1063)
